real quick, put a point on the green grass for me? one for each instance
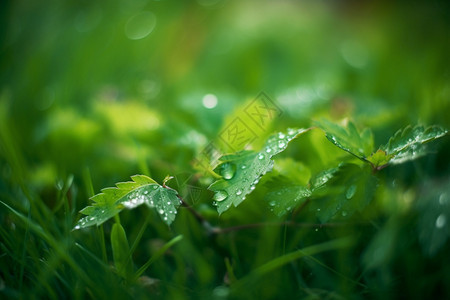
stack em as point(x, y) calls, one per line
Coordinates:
point(83, 106)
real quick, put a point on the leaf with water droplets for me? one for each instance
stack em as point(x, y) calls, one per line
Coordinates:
point(247, 167)
point(285, 195)
point(129, 195)
point(342, 191)
point(349, 138)
point(407, 144)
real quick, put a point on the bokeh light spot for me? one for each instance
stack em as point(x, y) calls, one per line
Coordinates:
point(140, 25)
point(209, 101)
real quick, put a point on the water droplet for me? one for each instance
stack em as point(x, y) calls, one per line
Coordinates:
point(243, 167)
point(145, 192)
point(317, 229)
point(261, 156)
point(281, 144)
point(91, 219)
point(443, 199)
point(220, 196)
point(318, 209)
point(344, 213)
point(165, 218)
point(252, 187)
point(290, 131)
point(256, 181)
point(214, 203)
point(168, 203)
point(227, 170)
point(440, 221)
point(268, 150)
point(351, 191)
point(160, 211)
point(281, 135)
point(272, 203)
point(155, 187)
point(238, 192)
point(77, 227)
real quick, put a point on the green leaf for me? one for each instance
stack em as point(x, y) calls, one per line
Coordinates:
point(408, 144)
point(339, 193)
point(129, 195)
point(285, 195)
point(121, 251)
point(242, 170)
point(348, 138)
point(379, 159)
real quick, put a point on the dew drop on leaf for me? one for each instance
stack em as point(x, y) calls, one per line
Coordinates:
point(440, 221)
point(268, 150)
point(238, 192)
point(261, 156)
point(351, 191)
point(160, 211)
point(281, 144)
point(228, 170)
point(344, 213)
point(220, 196)
point(281, 135)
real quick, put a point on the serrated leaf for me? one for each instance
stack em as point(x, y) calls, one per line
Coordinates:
point(349, 138)
point(242, 170)
point(285, 195)
point(379, 159)
point(409, 143)
point(129, 195)
point(347, 189)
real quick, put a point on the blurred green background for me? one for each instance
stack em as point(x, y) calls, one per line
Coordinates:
point(101, 90)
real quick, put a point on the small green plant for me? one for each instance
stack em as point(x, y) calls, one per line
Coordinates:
point(332, 194)
point(345, 188)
